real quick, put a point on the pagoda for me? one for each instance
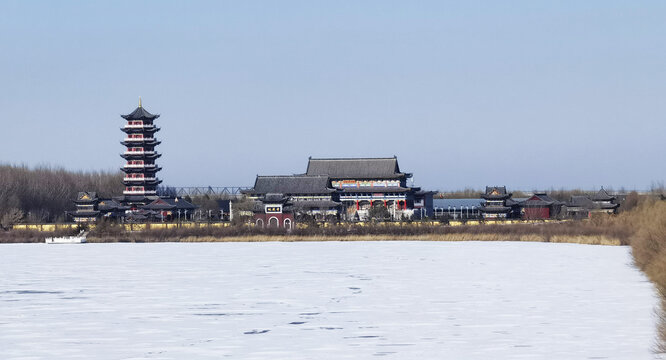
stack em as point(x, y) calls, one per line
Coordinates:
point(140, 169)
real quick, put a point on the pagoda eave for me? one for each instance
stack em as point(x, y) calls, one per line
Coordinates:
point(141, 182)
point(140, 157)
point(140, 143)
point(139, 130)
point(151, 170)
point(495, 197)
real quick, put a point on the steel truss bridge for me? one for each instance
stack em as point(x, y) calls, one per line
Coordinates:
point(231, 191)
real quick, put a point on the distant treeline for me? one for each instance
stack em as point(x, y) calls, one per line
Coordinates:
point(43, 194)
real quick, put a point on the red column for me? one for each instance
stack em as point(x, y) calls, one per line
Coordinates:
point(357, 206)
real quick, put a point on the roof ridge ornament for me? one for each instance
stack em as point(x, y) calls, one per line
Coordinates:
point(140, 101)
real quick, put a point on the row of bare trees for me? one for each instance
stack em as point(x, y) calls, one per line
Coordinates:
point(43, 194)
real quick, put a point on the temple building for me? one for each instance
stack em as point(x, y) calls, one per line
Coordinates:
point(347, 188)
point(498, 204)
point(169, 209)
point(140, 169)
point(274, 211)
point(540, 206)
point(366, 182)
point(604, 202)
point(583, 206)
point(111, 208)
point(307, 195)
point(86, 207)
point(579, 207)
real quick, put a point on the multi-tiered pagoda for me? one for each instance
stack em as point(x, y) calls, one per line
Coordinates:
point(140, 169)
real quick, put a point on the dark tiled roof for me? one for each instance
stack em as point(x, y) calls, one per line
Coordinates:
point(274, 198)
point(291, 185)
point(110, 204)
point(258, 206)
point(540, 199)
point(170, 204)
point(315, 204)
point(581, 201)
point(356, 168)
point(602, 195)
point(86, 197)
point(181, 203)
point(139, 114)
point(511, 202)
point(136, 217)
point(134, 198)
point(495, 193)
point(586, 203)
point(160, 204)
point(501, 190)
point(494, 209)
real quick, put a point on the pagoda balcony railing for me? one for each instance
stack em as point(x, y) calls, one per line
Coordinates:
point(140, 165)
point(139, 192)
point(139, 152)
point(139, 139)
point(139, 179)
point(138, 126)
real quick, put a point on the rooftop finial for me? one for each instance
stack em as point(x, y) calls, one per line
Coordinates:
point(139, 101)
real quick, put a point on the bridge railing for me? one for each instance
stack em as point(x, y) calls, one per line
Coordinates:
point(232, 191)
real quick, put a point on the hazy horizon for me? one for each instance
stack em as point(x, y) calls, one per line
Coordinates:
point(522, 94)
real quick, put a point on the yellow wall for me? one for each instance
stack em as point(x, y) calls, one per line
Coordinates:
point(159, 226)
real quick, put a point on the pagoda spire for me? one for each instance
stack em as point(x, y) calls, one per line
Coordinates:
point(139, 101)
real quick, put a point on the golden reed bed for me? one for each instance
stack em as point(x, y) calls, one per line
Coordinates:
point(579, 239)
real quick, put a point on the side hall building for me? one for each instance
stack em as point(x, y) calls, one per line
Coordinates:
point(498, 204)
point(311, 195)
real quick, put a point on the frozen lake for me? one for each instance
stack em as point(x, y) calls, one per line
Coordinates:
point(351, 300)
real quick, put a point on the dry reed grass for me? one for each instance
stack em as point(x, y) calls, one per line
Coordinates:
point(456, 236)
point(29, 236)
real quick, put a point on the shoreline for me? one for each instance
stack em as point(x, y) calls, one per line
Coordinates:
point(579, 239)
point(603, 232)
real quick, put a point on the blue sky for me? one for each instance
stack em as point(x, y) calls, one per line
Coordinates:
point(526, 94)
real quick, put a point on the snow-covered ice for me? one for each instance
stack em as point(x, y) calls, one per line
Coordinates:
point(324, 300)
